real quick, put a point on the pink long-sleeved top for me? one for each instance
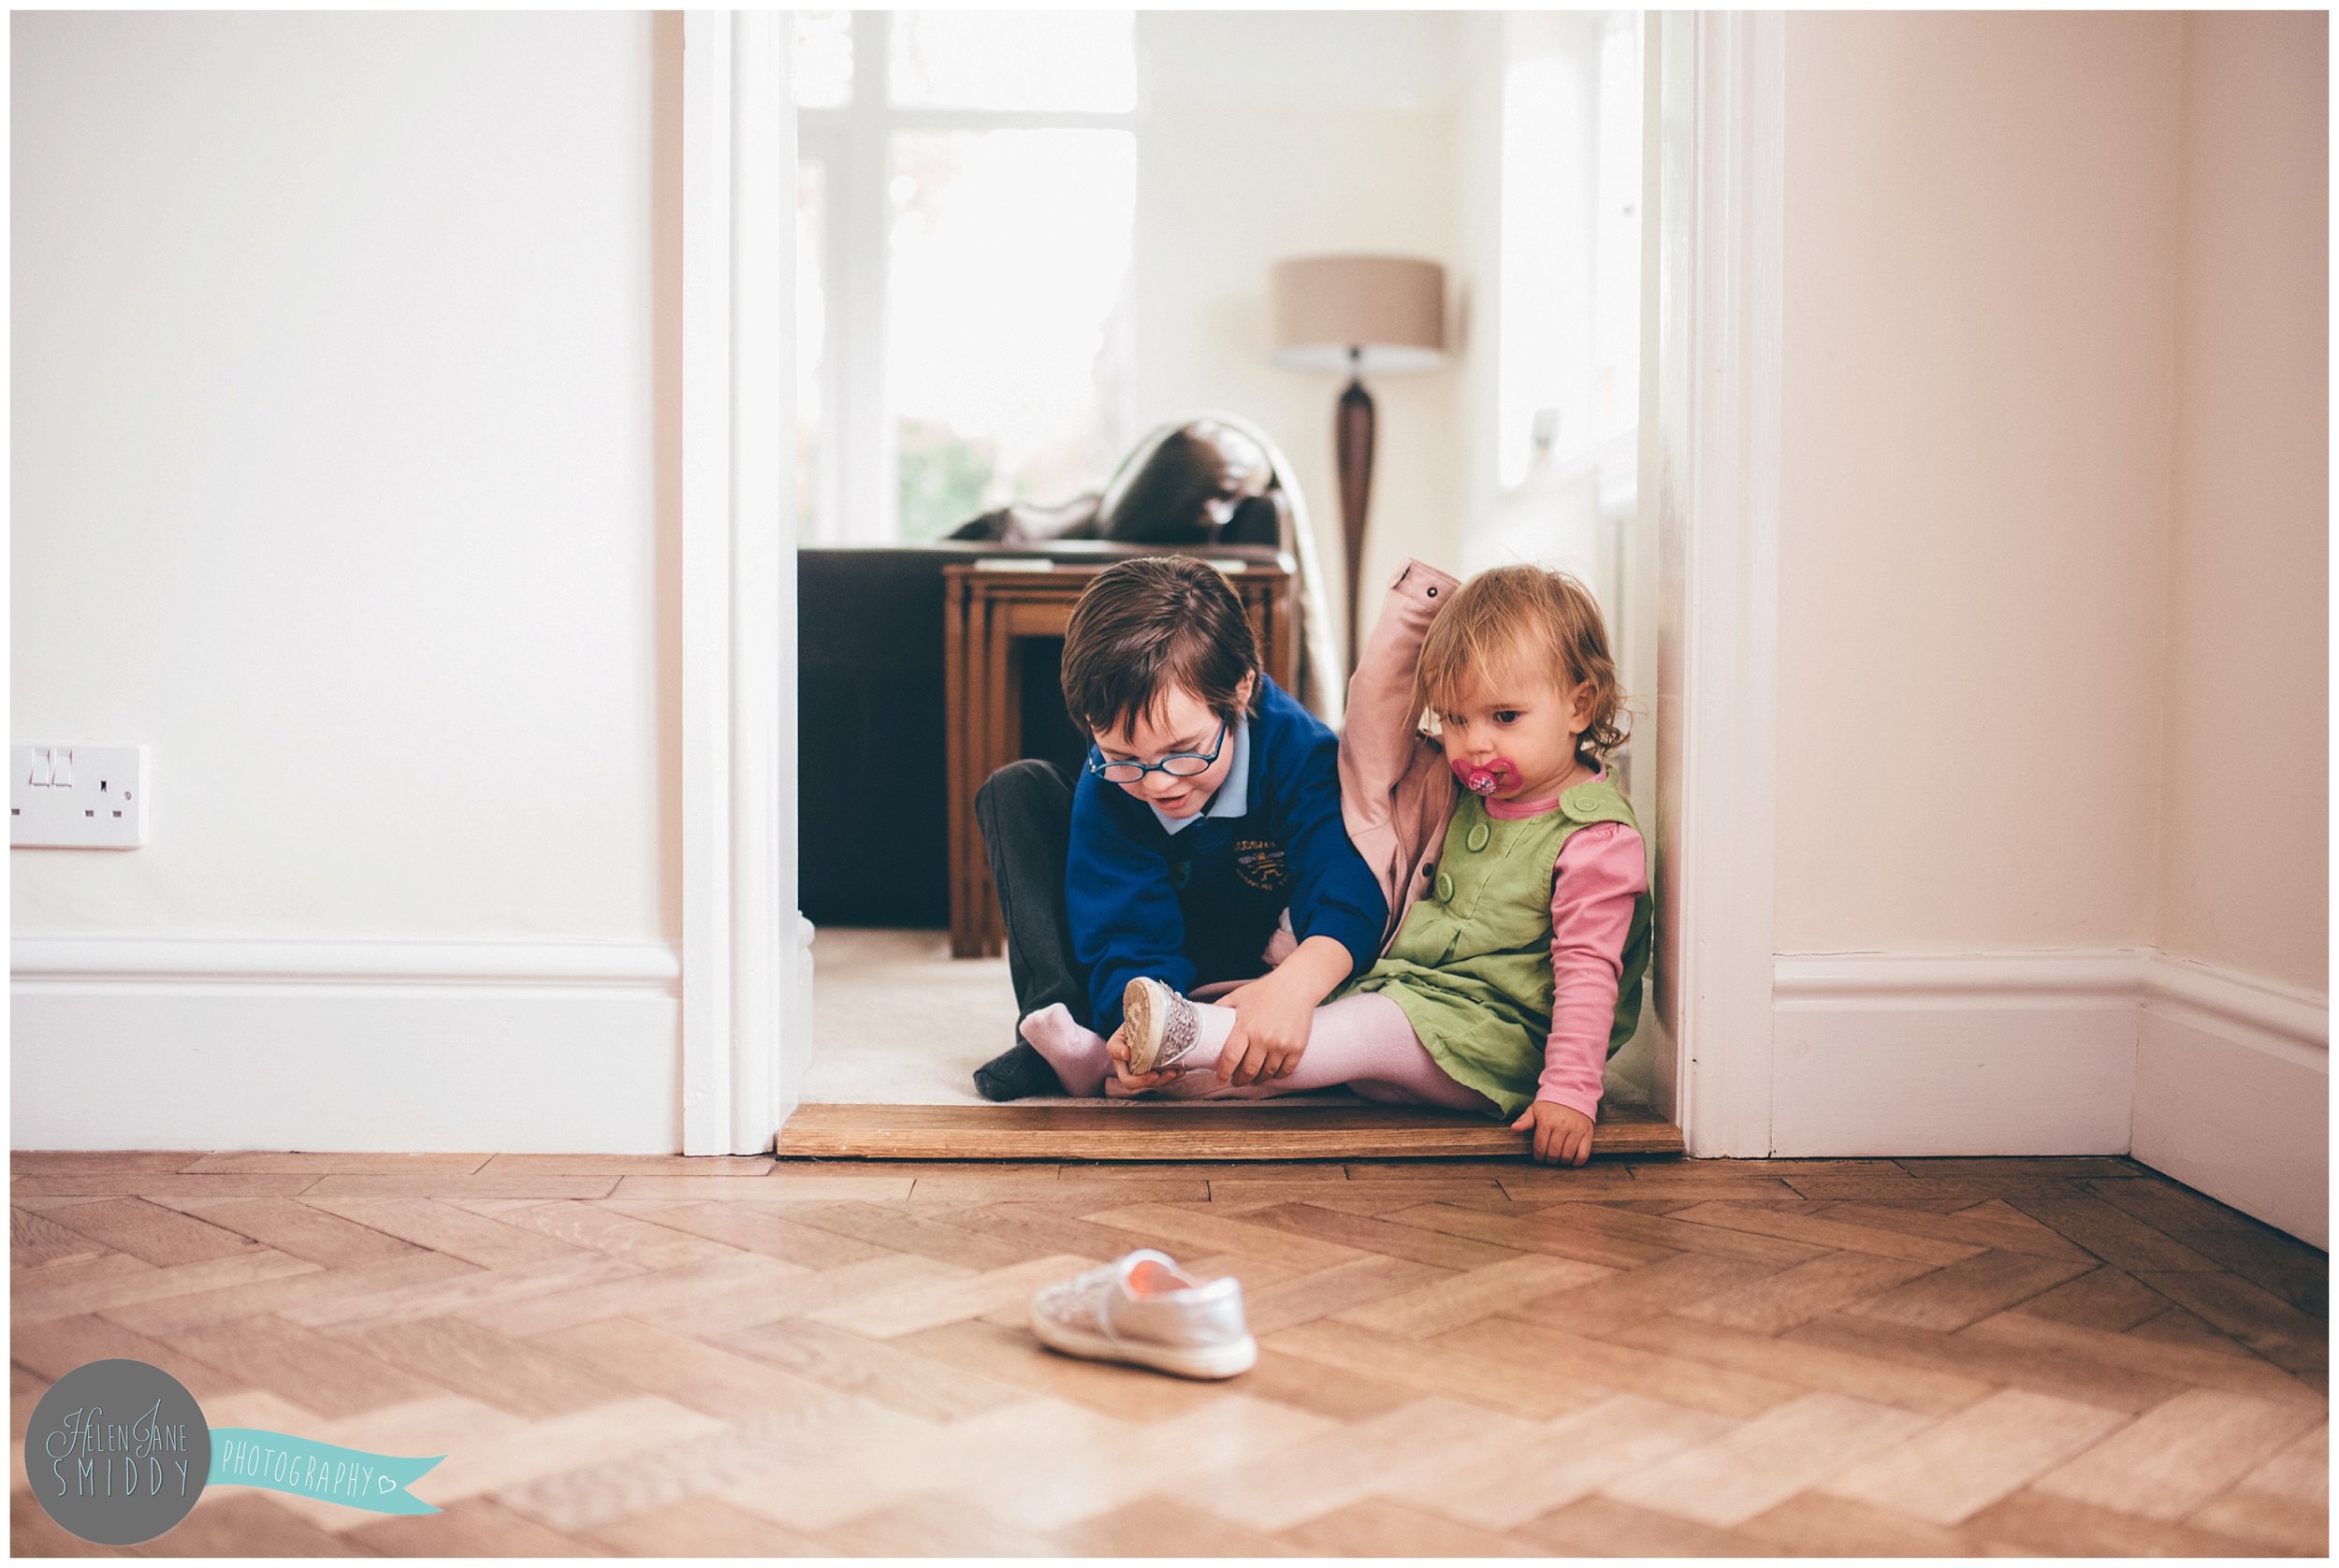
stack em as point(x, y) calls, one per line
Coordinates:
point(1602, 869)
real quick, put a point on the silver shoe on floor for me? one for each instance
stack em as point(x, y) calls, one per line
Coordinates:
point(1142, 1308)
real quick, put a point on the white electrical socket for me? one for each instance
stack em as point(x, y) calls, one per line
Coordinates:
point(77, 797)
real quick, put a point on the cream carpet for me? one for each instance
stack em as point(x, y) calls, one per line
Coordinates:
point(897, 1021)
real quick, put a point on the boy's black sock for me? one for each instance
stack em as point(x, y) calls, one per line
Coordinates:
point(1017, 1073)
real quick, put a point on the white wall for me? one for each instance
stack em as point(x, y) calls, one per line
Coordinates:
point(1980, 276)
point(336, 481)
point(2052, 794)
point(333, 478)
point(2244, 809)
point(1269, 135)
point(2239, 1105)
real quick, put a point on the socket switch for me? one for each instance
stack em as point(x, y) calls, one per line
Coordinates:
point(77, 797)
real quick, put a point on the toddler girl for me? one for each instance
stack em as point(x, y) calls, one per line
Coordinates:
point(1516, 874)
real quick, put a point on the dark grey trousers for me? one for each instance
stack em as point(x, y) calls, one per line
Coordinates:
point(1025, 813)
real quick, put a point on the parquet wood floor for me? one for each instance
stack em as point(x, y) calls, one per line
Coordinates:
point(733, 1357)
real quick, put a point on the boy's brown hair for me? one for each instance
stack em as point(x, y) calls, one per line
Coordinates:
point(1513, 619)
point(1148, 624)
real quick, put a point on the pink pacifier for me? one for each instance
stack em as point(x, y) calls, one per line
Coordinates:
point(1484, 780)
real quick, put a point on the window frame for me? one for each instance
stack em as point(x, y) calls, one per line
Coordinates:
point(858, 483)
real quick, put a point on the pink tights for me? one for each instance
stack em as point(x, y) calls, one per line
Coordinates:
point(1364, 1041)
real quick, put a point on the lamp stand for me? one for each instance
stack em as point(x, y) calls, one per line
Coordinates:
point(1352, 433)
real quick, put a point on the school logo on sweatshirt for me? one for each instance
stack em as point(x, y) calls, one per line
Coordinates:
point(1260, 862)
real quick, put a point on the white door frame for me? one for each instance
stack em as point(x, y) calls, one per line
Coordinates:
point(1710, 467)
point(746, 976)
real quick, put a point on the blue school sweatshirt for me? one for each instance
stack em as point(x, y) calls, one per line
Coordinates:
point(1199, 904)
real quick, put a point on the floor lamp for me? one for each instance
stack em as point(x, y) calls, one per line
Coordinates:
point(1353, 315)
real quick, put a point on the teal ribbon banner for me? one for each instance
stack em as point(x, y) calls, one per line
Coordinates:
point(246, 1457)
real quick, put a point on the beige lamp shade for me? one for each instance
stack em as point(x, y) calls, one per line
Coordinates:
point(1391, 309)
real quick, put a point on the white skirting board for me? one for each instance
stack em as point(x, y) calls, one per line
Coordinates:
point(2220, 1081)
point(2234, 1095)
point(2214, 1078)
point(2008, 1053)
point(128, 1042)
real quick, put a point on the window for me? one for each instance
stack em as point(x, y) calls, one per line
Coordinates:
point(1566, 308)
point(1568, 370)
point(967, 210)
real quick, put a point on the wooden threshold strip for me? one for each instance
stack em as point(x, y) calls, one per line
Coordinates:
point(1154, 1130)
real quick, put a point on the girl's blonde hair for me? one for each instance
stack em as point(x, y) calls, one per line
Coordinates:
point(1510, 617)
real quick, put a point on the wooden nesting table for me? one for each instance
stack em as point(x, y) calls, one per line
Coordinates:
point(993, 613)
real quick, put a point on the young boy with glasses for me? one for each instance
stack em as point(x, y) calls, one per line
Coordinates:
point(1202, 843)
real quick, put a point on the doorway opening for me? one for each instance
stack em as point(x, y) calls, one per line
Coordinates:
point(988, 313)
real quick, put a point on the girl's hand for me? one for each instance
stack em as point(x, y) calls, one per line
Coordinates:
point(1563, 1136)
point(1272, 1023)
point(1117, 1047)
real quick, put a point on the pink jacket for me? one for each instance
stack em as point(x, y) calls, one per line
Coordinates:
point(1395, 789)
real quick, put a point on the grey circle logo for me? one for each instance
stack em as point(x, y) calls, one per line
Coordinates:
point(118, 1451)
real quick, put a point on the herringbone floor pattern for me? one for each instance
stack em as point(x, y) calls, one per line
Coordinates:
point(2033, 1357)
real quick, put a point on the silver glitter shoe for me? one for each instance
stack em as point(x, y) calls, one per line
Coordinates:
point(1160, 1025)
point(1143, 1309)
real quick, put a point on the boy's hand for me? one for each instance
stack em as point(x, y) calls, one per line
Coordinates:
point(1563, 1136)
point(1117, 1047)
point(1274, 1013)
point(1272, 1018)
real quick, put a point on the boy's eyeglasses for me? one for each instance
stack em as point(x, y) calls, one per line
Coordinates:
point(1178, 764)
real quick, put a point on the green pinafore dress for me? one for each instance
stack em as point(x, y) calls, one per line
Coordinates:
point(1472, 963)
